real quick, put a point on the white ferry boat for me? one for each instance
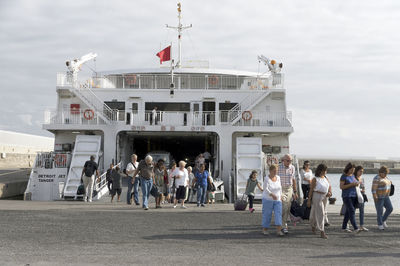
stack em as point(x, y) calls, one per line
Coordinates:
point(238, 117)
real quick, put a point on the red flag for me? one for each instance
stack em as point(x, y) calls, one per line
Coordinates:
point(165, 55)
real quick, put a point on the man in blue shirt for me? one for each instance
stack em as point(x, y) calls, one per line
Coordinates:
point(201, 178)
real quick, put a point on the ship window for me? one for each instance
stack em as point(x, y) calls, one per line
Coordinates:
point(120, 106)
point(209, 106)
point(226, 106)
point(135, 108)
point(168, 107)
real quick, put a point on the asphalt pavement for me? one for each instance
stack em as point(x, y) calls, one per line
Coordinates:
point(104, 233)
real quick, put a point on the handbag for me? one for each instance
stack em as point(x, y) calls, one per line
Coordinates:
point(360, 197)
point(154, 191)
point(391, 190)
point(343, 210)
point(365, 197)
point(80, 190)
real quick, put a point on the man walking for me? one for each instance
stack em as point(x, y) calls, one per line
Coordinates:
point(145, 170)
point(286, 172)
point(88, 176)
point(132, 181)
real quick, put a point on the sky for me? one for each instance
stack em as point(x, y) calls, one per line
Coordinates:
point(341, 58)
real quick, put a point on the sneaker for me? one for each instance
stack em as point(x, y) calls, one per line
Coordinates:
point(137, 203)
point(385, 225)
point(84, 200)
point(280, 233)
point(146, 208)
point(347, 230)
point(285, 231)
point(364, 228)
point(183, 207)
point(265, 232)
point(202, 205)
point(174, 206)
point(90, 200)
point(380, 227)
point(357, 231)
point(198, 204)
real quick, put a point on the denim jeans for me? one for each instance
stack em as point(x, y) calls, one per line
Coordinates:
point(350, 214)
point(267, 207)
point(146, 185)
point(135, 187)
point(129, 192)
point(379, 204)
point(251, 200)
point(361, 209)
point(201, 194)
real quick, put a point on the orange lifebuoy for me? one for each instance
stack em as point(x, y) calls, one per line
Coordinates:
point(247, 115)
point(213, 80)
point(88, 114)
point(60, 160)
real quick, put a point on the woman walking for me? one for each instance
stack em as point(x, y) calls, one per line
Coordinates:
point(348, 185)
point(251, 185)
point(171, 183)
point(358, 175)
point(190, 186)
point(159, 174)
point(306, 177)
point(201, 179)
point(272, 201)
point(181, 177)
point(319, 190)
point(380, 192)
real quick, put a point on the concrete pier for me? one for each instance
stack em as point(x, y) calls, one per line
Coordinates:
point(78, 233)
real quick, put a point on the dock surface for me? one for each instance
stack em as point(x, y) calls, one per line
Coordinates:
point(103, 233)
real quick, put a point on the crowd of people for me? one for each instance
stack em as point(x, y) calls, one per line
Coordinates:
point(179, 183)
point(279, 190)
point(176, 184)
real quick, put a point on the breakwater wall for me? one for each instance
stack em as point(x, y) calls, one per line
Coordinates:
point(371, 166)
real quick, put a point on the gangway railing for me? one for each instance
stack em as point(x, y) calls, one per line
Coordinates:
point(91, 99)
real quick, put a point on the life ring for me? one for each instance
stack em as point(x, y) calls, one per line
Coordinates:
point(213, 80)
point(88, 114)
point(247, 115)
point(60, 160)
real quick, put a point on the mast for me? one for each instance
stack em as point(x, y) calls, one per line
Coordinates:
point(179, 28)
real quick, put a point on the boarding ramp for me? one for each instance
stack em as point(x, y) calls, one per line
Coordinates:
point(249, 157)
point(85, 146)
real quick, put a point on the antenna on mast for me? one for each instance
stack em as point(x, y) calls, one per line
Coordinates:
point(179, 28)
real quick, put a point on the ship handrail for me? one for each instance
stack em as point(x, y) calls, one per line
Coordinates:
point(202, 81)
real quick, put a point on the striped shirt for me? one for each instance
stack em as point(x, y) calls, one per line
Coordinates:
point(380, 187)
point(286, 174)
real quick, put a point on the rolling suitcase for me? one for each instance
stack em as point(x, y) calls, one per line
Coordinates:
point(241, 204)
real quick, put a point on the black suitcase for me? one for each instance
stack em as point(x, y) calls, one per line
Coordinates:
point(241, 204)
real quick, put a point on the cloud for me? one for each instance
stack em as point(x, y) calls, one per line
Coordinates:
point(26, 119)
point(340, 58)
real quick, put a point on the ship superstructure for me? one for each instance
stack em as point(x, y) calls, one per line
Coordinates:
point(182, 110)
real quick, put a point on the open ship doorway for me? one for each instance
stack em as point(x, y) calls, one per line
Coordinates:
point(181, 145)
